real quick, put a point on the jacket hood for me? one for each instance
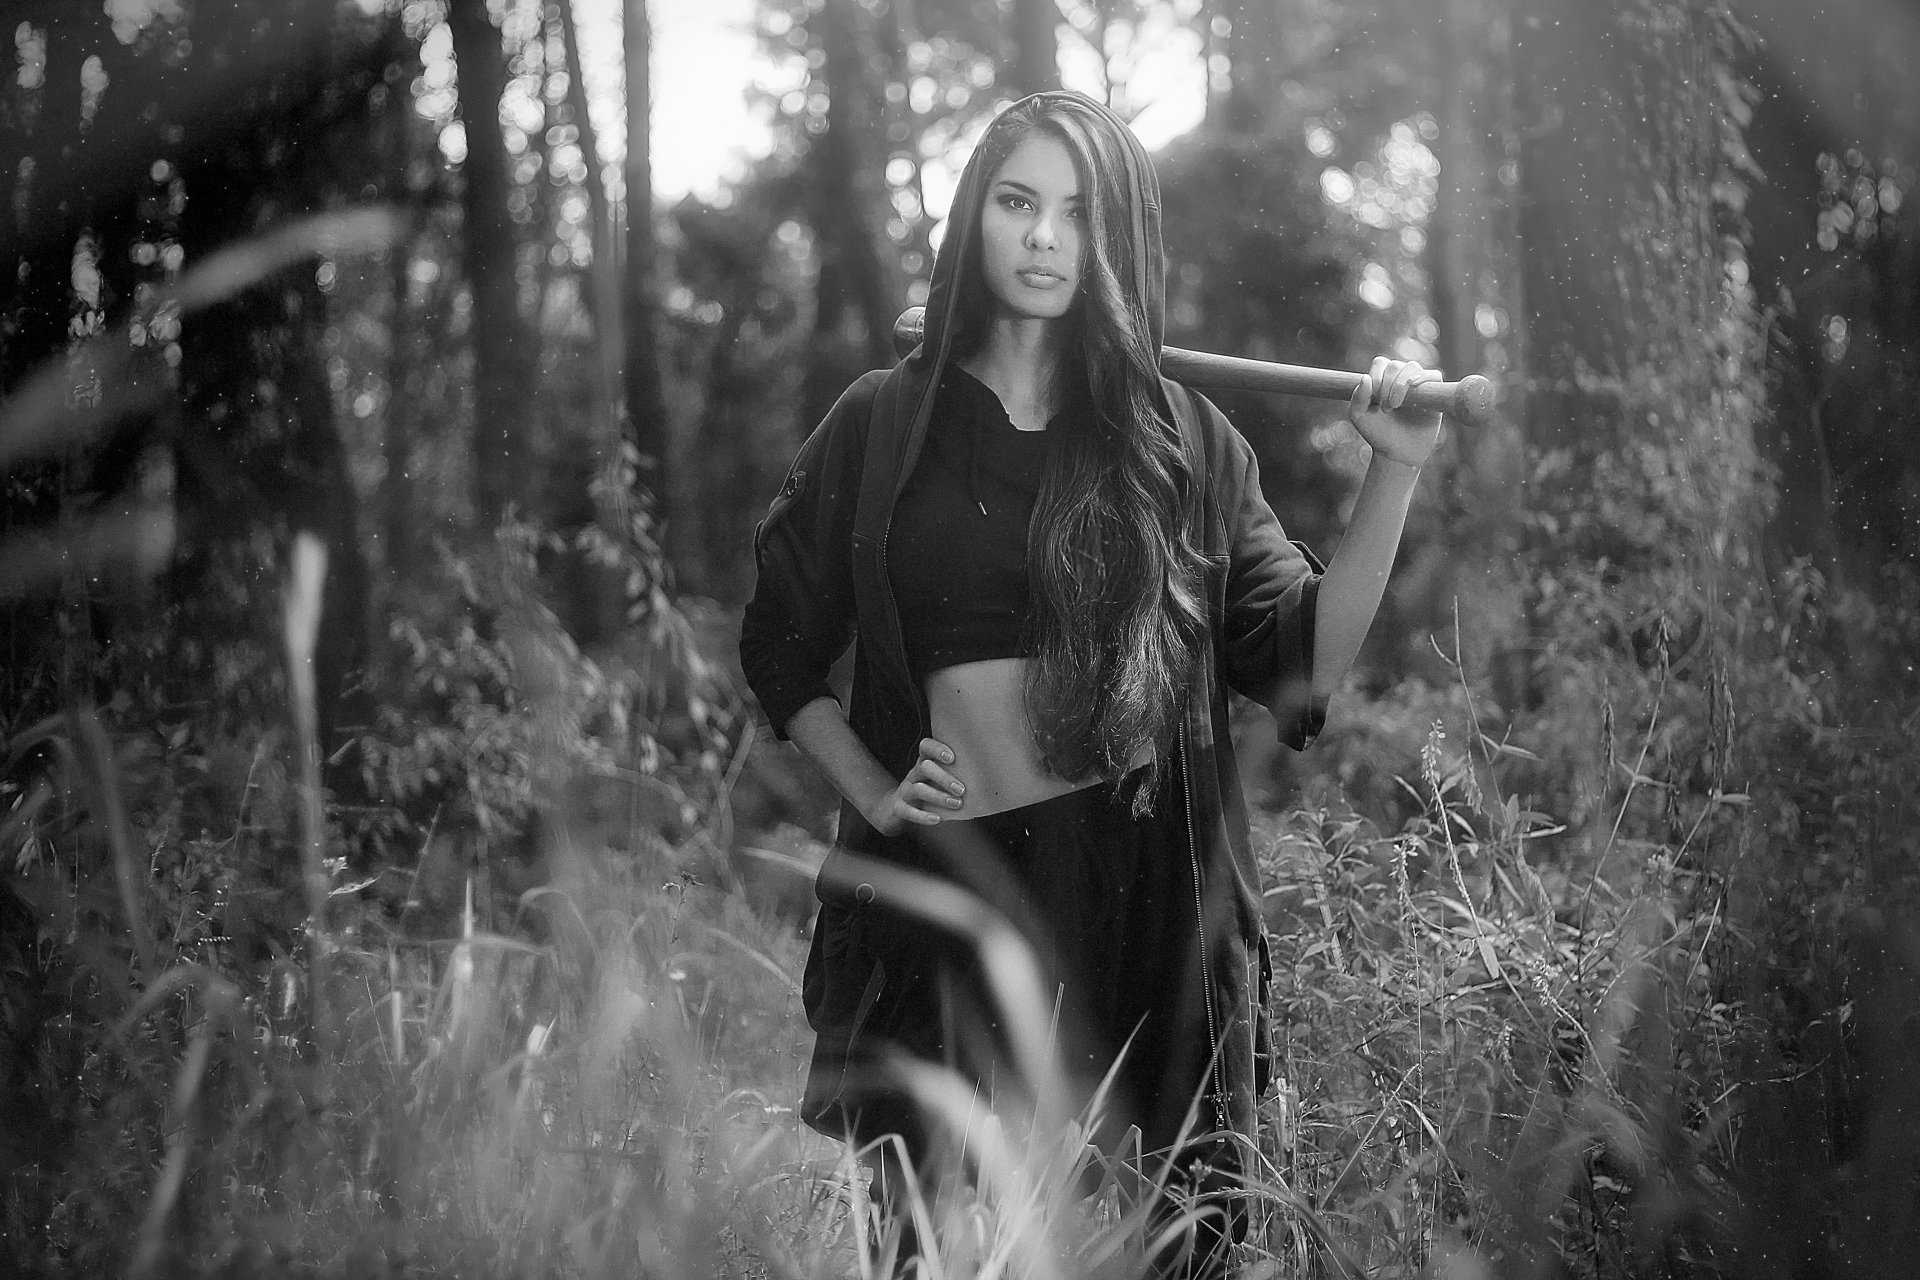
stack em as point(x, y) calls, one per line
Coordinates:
point(1098, 138)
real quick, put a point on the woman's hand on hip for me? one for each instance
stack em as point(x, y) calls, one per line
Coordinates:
point(1379, 412)
point(928, 792)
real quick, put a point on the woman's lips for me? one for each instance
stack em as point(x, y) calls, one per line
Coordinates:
point(1039, 277)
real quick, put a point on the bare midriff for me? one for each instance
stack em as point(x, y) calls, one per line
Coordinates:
point(979, 709)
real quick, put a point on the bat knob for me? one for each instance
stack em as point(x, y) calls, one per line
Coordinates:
point(909, 328)
point(1474, 399)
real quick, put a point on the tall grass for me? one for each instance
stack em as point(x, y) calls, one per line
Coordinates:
point(601, 1083)
point(1491, 1065)
point(597, 1077)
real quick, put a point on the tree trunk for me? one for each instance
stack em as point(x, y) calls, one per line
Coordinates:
point(42, 302)
point(594, 595)
point(1035, 61)
point(1579, 162)
point(1835, 434)
point(1643, 352)
point(489, 253)
point(1253, 49)
point(396, 489)
point(398, 142)
point(1475, 281)
point(856, 304)
point(601, 291)
point(1461, 233)
point(646, 393)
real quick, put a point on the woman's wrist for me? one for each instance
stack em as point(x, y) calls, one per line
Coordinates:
point(1396, 466)
point(873, 797)
point(821, 731)
point(874, 808)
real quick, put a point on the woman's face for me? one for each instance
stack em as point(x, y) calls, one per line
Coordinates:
point(1031, 230)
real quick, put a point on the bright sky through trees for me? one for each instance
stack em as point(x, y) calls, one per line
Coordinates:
point(706, 54)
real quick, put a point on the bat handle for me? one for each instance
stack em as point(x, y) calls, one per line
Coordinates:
point(1469, 400)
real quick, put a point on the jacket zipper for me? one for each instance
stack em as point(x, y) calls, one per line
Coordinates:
point(901, 475)
point(1200, 932)
point(900, 636)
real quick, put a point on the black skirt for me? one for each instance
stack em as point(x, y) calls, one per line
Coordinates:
point(1106, 902)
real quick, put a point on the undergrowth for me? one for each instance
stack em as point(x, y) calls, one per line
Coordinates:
point(592, 1078)
point(1487, 1063)
point(1491, 1065)
point(545, 1021)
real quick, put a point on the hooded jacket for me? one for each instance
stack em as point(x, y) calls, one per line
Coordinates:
point(822, 584)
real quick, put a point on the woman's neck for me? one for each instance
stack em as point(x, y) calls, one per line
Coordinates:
point(1020, 362)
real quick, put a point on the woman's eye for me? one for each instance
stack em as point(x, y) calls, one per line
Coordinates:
point(1016, 203)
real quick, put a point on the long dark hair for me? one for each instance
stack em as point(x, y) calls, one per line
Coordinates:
point(1116, 612)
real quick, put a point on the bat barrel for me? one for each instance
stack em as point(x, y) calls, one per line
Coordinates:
point(1470, 399)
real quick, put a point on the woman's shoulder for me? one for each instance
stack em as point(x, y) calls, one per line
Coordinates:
point(876, 399)
point(1214, 441)
point(854, 409)
point(841, 435)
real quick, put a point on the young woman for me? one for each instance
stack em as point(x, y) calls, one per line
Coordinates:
point(1056, 564)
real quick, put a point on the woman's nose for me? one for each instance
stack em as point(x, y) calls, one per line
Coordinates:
point(1042, 232)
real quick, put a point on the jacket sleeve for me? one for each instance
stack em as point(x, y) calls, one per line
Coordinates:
point(801, 617)
point(1272, 586)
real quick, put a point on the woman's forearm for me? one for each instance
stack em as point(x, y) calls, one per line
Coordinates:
point(1351, 589)
point(821, 731)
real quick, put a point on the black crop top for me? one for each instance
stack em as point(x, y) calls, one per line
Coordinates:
point(957, 550)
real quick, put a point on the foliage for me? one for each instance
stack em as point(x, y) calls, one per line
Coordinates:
point(487, 696)
point(495, 1104)
point(1656, 1060)
point(1486, 1058)
point(1265, 278)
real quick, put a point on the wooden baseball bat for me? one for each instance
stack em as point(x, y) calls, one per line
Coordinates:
point(1470, 399)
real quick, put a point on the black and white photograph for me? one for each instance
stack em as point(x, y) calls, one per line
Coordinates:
point(960, 639)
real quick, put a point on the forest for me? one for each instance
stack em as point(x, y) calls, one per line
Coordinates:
point(396, 878)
